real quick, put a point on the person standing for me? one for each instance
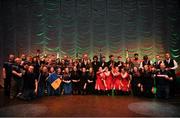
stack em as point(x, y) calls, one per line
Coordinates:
point(95, 63)
point(120, 63)
point(111, 63)
point(75, 75)
point(7, 74)
point(157, 62)
point(103, 62)
point(136, 61)
point(171, 65)
point(145, 61)
point(42, 81)
point(67, 83)
point(16, 81)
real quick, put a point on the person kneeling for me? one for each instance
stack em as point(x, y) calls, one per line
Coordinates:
point(30, 84)
point(163, 82)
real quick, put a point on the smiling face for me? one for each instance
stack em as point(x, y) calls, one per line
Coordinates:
point(11, 58)
point(75, 68)
point(31, 69)
point(83, 70)
point(45, 69)
point(100, 69)
point(18, 61)
point(90, 70)
point(66, 70)
point(59, 70)
point(51, 69)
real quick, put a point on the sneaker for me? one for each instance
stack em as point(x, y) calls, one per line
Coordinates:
point(19, 94)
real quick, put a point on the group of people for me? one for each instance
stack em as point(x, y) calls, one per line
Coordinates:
point(29, 77)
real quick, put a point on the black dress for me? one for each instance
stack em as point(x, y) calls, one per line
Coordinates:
point(83, 82)
point(90, 83)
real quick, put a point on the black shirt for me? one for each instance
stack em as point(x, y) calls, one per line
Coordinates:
point(29, 80)
point(8, 68)
point(160, 80)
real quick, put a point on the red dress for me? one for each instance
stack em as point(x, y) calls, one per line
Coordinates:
point(116, 81)
point(125, 78)
point(100, 81)
point(108, 80)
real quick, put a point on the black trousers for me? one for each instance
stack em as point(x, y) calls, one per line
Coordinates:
point(147, 91)
point(163, 91)
point(16, 87)
point(173, 85)
point(7, 86)
point(28, 94)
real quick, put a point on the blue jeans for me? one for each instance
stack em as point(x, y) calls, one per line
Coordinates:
point(67, 88)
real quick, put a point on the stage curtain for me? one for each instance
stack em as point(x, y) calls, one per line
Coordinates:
point(74, 27)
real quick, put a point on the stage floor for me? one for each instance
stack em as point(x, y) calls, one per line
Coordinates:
point(90, 106)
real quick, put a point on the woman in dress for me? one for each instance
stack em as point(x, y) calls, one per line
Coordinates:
point(116, 80)
point(108, 79)
point(125, 80)
point(100, 81)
